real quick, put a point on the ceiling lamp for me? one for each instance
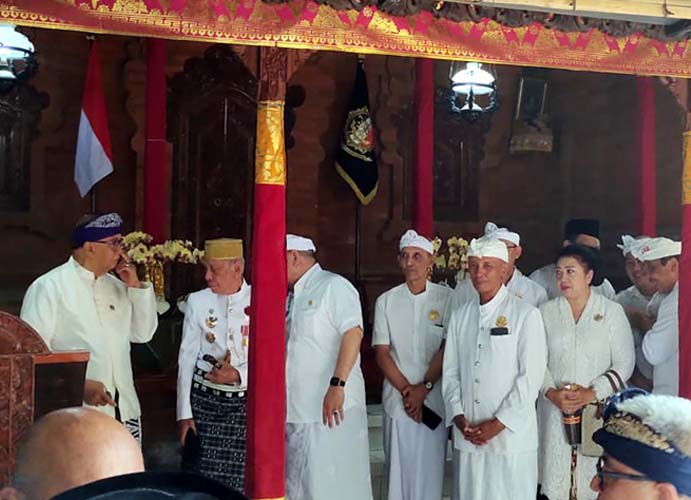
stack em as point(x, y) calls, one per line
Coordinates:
point(17, 62)
point(475, 89)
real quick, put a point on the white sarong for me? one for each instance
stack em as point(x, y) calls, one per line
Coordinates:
point(415, 458)
point(490, 476)
point(329, 464)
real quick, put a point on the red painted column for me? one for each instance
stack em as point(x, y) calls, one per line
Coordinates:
point(423, 218)
point(685, 276)
point(156, 172)
point(647, 159)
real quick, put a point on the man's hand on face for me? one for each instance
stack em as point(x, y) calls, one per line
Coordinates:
point(128, 273)
point(95, 394)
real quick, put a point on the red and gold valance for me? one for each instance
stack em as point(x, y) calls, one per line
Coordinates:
point(306, 24)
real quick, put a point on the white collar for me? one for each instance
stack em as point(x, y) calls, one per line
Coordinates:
point(494, 301)
point(303, 281)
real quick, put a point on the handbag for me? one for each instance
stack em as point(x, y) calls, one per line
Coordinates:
point(592, 417)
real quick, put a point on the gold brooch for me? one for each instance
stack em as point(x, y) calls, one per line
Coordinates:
point(210, 337)
point(598, 317)
point(211, 322)
point(501, 322)
point(433, 315)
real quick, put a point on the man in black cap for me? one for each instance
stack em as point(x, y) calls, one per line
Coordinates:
point(80, 305)
point(584, 232)
point(647, 448)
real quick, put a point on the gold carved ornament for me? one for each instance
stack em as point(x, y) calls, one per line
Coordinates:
point(270, 154)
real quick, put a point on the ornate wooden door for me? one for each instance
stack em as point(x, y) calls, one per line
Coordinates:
point(211, 123)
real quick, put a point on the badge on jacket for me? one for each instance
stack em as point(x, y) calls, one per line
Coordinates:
point(211, 322)
point(433, 315)
point(210, 337)
point(500, 327)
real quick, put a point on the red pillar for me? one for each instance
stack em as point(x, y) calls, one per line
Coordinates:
point(156, 174)
point(685, 276)
point(266, 403)
point(646, 154)
point(423, 218)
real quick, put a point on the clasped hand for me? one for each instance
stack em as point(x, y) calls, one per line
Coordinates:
point(570, 401)
point(480, 434)
point(413, 398)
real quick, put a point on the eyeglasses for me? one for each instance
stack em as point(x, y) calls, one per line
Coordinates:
point(115, 244)
point(602, 473)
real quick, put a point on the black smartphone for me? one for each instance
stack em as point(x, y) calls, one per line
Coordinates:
point(210, 359)
point(430, 418)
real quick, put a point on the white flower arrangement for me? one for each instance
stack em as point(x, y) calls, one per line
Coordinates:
point(453, 256)
point(151, 259)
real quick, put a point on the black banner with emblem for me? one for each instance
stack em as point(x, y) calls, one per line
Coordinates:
point(355, 159)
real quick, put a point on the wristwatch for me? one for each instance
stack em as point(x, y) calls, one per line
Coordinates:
point(337, 382)
point(428, 385)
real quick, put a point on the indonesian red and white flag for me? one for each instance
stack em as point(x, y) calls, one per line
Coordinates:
point(94, 154)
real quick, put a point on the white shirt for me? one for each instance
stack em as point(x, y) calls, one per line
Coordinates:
point(519, 285)
point(72, 309)
point(214, 324)
point(495, 376)
point(661, 346)
point(632, 298)
point(547, 277)
point(323, 308)
point(413, 325)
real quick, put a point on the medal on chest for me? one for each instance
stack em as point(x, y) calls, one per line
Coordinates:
point(211, 321)
point(210, 337)
point(433, 315)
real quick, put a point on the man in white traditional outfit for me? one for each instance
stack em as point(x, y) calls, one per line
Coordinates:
point(327, 445)
point(518, 284)
point(636, 301)
point(494, 365)
point(81, 306)
point(576, 232)
point(409, 323)
point(661, 342)
point(212, 368)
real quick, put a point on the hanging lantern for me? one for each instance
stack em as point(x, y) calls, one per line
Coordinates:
point(475, 88)
point(17, 61)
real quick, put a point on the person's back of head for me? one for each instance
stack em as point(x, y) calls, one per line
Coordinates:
point(71, 447)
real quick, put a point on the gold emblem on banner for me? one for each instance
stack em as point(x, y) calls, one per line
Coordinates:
point(433, 315)
point(270, 154)
point(210, 337)
point(501, 322)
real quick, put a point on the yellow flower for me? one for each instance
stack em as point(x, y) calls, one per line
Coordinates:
point(436, 244)
point(440, 262)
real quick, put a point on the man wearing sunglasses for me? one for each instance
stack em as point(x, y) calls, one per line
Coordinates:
point(81, 306)
point(646, 440)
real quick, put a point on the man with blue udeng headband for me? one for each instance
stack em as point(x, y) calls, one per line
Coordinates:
point(80, 305)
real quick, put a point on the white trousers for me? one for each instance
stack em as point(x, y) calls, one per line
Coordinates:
point(415, 457)
point(487, 476)
point(329, 464)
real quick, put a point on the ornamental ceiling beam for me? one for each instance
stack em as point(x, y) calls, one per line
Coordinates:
point(656, 10)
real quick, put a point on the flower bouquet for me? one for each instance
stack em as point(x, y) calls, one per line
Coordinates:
point(453, 256)
point(150, 260)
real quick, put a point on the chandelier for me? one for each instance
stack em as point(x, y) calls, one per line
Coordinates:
point(475, 89)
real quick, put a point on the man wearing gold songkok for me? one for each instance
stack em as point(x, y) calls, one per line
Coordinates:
point(212, 368)
point(327, 444)
point(494, 365)
point(518, 284)
point(80, 305)
point(661, 342)
point(408, 340)
point(646, 440)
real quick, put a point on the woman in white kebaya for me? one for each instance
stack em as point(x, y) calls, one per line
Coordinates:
point(587, 335)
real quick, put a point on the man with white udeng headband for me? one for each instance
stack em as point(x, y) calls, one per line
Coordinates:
point(661, 343)
point(518, 284)
point(327, 446)
point(408, 340)
point(494, 365)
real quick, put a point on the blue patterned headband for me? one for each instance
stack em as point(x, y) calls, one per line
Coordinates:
point(625, 437)
point(96, 229)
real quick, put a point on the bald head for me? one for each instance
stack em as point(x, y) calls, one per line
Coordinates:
point(72, 447)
